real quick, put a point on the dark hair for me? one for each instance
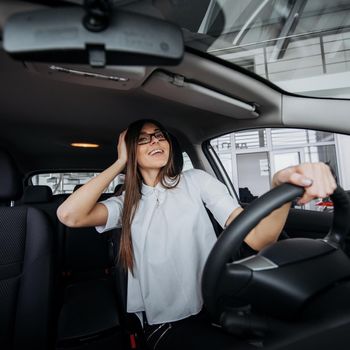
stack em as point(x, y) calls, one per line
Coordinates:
point(133, 185)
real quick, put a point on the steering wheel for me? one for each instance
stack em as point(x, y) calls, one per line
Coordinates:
point(282, 277)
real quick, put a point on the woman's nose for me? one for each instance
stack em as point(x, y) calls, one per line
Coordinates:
point(153, 139)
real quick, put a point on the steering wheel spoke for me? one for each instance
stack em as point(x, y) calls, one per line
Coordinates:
point(283, 277)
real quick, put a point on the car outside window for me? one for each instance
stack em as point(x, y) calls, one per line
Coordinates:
point(251, 157)
point(187, 162)
point(66, 182)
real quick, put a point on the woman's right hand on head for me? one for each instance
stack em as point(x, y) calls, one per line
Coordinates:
point(122, 152)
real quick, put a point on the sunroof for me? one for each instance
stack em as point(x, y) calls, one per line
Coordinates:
point(303, 46)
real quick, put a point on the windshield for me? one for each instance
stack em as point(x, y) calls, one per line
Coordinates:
point(303, 46)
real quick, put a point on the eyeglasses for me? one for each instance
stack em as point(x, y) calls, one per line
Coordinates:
point(147, 138)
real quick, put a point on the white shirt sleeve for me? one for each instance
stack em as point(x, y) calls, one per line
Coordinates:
point(114, 207)
point(215, 196)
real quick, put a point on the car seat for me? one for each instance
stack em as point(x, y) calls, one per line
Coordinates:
point(25, 267)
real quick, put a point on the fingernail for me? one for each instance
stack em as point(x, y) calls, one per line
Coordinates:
point(306, 182)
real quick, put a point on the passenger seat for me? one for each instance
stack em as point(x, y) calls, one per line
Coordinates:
point(86, 306)
point(90, 314)
point(25, 267)
point(40, 197)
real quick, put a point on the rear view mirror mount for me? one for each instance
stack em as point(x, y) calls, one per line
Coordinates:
point(63, 35)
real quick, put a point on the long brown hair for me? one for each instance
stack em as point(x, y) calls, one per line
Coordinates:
point(133, 185)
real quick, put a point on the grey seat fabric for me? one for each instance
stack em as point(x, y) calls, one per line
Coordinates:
point(86, 302)
point(89, 310)
point(81, 252)
point(86, 253)
point(41, 197)
point(37, 194)
point(25, 267)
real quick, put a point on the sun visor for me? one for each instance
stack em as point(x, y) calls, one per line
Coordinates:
point(176, 88)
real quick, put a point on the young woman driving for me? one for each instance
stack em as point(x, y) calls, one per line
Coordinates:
point(166, 232)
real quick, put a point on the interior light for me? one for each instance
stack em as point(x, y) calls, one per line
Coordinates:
point(84, 145)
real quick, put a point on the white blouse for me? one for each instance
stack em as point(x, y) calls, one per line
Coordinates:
point(172, 236)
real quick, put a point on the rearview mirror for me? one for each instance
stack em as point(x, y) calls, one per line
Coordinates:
point(59, 35)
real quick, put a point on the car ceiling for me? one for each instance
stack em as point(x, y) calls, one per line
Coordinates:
point(42, 113)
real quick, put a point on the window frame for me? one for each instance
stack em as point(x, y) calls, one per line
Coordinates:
point(215, 162)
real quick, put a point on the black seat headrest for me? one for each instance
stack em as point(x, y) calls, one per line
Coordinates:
point(11, 185)
point(37, 194)
point(117, 189)
point(77, 187)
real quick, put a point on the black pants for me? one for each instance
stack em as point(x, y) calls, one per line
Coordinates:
point(194, 332)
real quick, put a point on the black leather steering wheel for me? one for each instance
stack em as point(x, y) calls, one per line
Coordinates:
point(223, 277)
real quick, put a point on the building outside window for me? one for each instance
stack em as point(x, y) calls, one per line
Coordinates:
point(251, 157)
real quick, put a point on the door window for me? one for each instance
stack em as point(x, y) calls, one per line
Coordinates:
point(252, 157)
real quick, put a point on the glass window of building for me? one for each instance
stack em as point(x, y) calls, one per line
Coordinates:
point(259, 153)
point(67, 182)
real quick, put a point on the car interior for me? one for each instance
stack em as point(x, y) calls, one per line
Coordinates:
point(76, 71)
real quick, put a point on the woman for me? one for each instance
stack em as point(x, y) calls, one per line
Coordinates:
point(166, 232)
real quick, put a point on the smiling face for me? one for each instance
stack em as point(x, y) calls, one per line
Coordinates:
point(154, 154)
